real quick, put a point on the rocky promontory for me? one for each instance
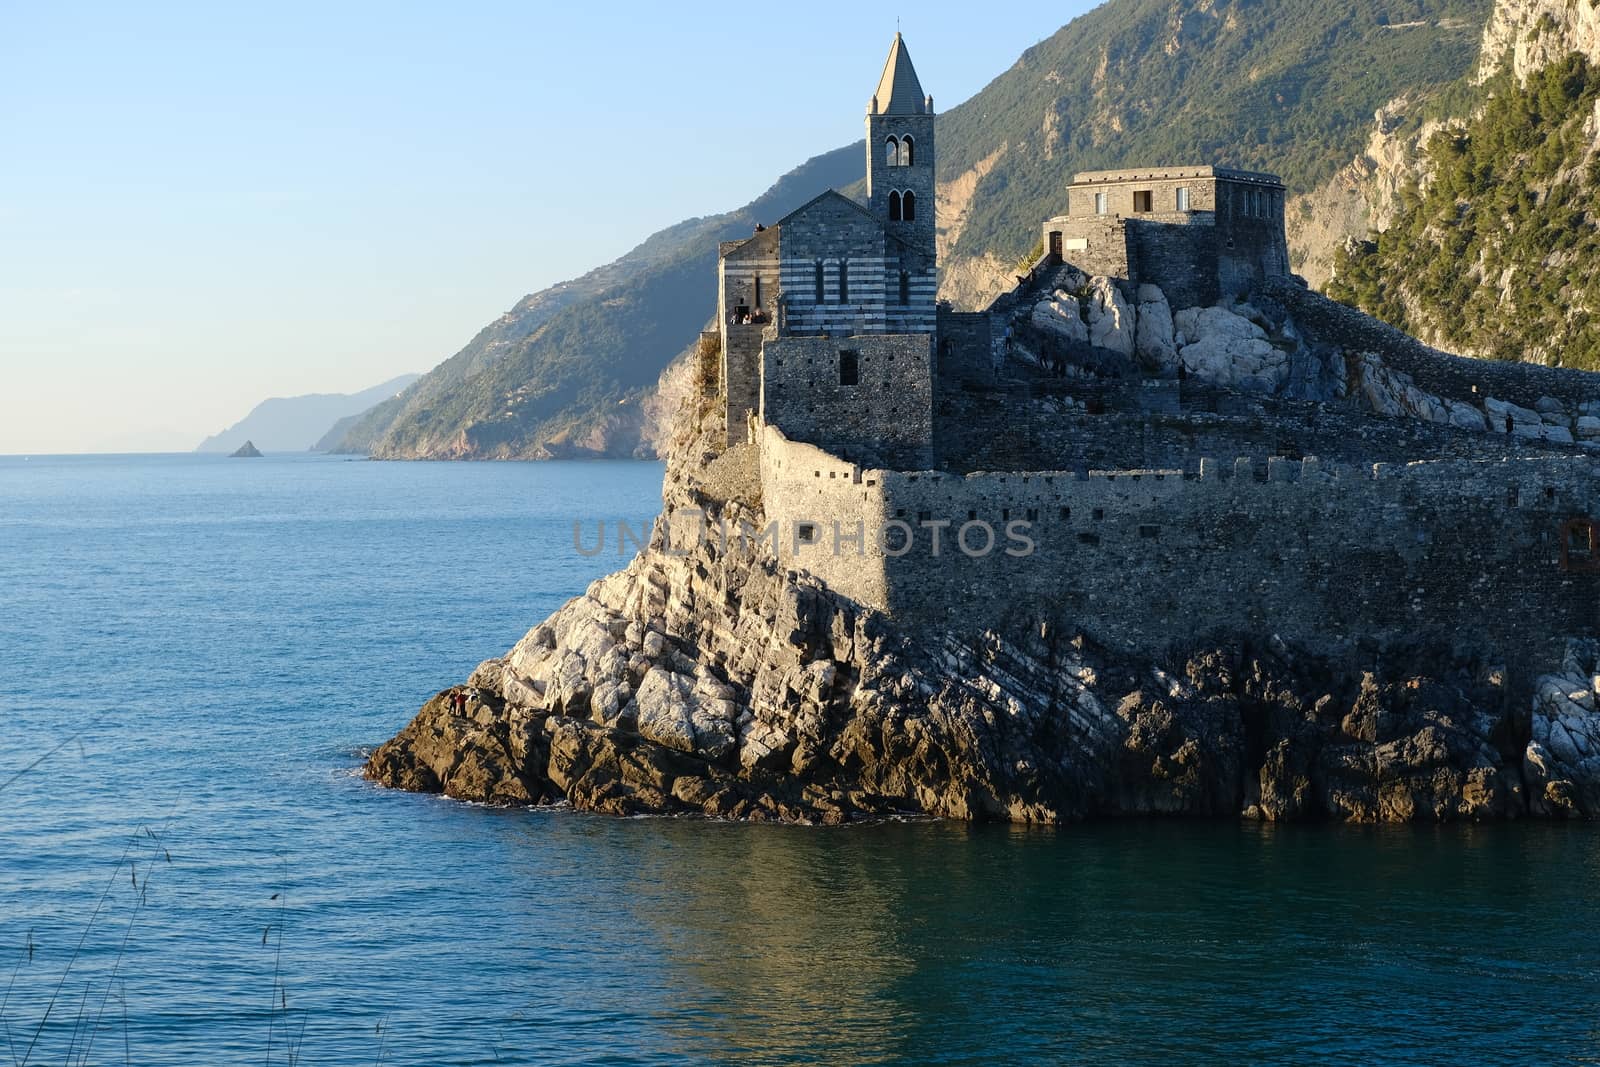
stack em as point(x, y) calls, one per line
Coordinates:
point(712, 681)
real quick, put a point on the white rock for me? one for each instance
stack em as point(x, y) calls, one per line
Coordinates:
point(1225, 349)
point(1111, 321)
point(665, 709)
point(1153, 338)
point(1061, 317)
point(1196, 324)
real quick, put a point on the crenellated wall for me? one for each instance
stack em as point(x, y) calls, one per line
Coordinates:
point(1466, 552)
point(1440, 373)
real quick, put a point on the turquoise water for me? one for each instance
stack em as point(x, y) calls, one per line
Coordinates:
point(223, 639)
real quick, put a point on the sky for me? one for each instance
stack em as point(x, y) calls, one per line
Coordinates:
point(204, 205)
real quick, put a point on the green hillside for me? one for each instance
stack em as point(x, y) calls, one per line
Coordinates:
point(1288, 86)
point(1497, 255)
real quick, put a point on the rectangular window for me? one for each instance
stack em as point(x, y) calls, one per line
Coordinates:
point(1183, 198)
point(758, 290)
point(1141, 201)
point(849, 367)
point(905, 287)
point(820, 292)
point(808, 533)
point(1099, 203)
point(844, 282)
point(1150, 532)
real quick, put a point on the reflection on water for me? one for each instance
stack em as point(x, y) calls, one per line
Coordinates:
point(933, 943)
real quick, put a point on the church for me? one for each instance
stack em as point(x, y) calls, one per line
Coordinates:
point(828, 317)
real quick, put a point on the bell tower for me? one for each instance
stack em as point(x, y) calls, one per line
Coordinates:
point(900, 156)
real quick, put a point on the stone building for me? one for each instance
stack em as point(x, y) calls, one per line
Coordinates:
point(1200, 233)
point(828, 316)
point(1185, 441)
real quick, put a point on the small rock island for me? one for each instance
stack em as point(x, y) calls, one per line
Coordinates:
point(248, 450)
point(1159, 531)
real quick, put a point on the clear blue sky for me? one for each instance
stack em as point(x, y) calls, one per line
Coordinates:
point(203, 205)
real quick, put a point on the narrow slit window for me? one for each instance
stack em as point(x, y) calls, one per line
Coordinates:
point(821, 289)
point(905, 287)
point(849, 367)
point(844, 282)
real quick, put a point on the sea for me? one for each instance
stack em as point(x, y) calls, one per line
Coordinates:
point(197, 652)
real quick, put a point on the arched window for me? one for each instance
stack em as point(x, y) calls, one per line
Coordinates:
point(844, 282)
point(905, 287)
point(907, 152)
point(821, 289)
point(894, 207)
point(908, 207)
point(891, 152)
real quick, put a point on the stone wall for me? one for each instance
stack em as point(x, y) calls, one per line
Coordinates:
point(746, 270)
point(741, 376)
point(1135, 424)
point(971, 346)
point(1177, 253)
point(885, 418)
point(1096, 244)
point(1464, 552)
point(1454, 377)
point(801, 484)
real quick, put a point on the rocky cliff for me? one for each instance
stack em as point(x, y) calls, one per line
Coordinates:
point(706, 679)
point(1471, 218)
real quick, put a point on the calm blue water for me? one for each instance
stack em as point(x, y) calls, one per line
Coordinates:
point(224, 638)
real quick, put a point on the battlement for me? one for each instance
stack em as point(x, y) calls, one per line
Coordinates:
point(1476, 552)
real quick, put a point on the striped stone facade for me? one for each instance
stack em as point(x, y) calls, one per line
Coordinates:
point(846, 278)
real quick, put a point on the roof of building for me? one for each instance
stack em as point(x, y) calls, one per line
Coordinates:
point(899, 91)
point(1101, 177)
point(735, 249)
point(831, 194)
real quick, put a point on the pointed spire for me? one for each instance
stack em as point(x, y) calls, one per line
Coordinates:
point(899, 92)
